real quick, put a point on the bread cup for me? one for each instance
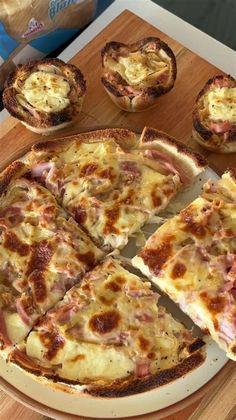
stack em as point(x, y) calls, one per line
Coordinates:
point(45, 95)
point(135, 75)
point(214, 115)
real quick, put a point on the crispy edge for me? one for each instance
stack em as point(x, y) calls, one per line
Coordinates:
point(118, 388)
point(127, 139)
point(13, 171)
point(150, 135)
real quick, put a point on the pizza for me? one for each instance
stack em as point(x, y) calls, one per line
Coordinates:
point(64, 207)
point(135, 75)
point(109, 335)
point(43, 253)
point(214, 115)
point(192, 258)
point(45, 95)
point(112, 181)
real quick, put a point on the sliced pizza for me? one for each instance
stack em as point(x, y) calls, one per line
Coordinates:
point(109, 335)
point(42, 253)
point(192, 258)
point(111, 181)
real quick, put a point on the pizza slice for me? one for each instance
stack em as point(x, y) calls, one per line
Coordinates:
point(109, 335)
point(42, 253)
point(192, 258)
point(113, 182)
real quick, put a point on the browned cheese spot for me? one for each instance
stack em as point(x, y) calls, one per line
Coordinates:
point(80, 214)
point(41, 254)
point(52, 341)
point(178, 270)
point(78, 357)
point(113, 286)
point(192, 226)
point(14, 244)
point(144, 344)
point(214, 304)
point(88, 258)
point(111, 216)
point(88, 169)
point(155, 258)
point(105, 322)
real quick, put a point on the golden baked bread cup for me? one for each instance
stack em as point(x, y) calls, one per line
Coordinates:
point(214, 115)
point(135, 75)
point(45, 95)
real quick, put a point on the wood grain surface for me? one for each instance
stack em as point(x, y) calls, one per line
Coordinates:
point(173, 115)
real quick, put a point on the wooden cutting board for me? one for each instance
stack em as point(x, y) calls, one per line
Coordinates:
point(172, 115)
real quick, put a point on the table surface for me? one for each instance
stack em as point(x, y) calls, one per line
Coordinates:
point(199, 43)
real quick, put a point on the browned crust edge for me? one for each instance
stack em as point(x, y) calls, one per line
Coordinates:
point(124, 137)
point(147, 97)
point(45, 120)
point(151, 134)
point(118, 388)
point(14, 170)
point(221, 142)
point(142, 385)
point(232, 172)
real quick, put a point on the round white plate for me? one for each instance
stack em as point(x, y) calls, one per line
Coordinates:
point(72, 400)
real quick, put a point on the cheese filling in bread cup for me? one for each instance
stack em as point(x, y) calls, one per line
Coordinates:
point(214, 115)
point(45, 95)
point(135, 75)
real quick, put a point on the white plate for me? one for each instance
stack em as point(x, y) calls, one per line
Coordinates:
point(71, 400)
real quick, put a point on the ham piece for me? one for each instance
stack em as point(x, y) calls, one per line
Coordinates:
point(167, 163)
point(142, 368)
point(220, 127)
point(38, 170)
point(3, 331)
point(22, 313)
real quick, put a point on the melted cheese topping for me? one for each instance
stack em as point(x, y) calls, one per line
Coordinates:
point(47, 92)
point(222, 104)
point(109, 192)
point(138, 67)
point(192, 259)
point(41, 254)
point(108, 326)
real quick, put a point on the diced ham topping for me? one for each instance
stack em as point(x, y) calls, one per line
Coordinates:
point(225, 82)
point(202, 252)
point(209, 187)
point(3, 331)
point(232, 272)
point(32, 110)
point(135, 293)
point(220, 127)
point(142, 368)
point(76, 331)
point(131, 171)
point(22, 313)
point(168, 163)
point(39, 170)
point(144, 316)
point(124, 337)
point(132, 91)
point(66, 312)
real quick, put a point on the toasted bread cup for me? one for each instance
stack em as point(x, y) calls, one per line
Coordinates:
point(214, 115)
point(135, 75)
point(45, 95)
